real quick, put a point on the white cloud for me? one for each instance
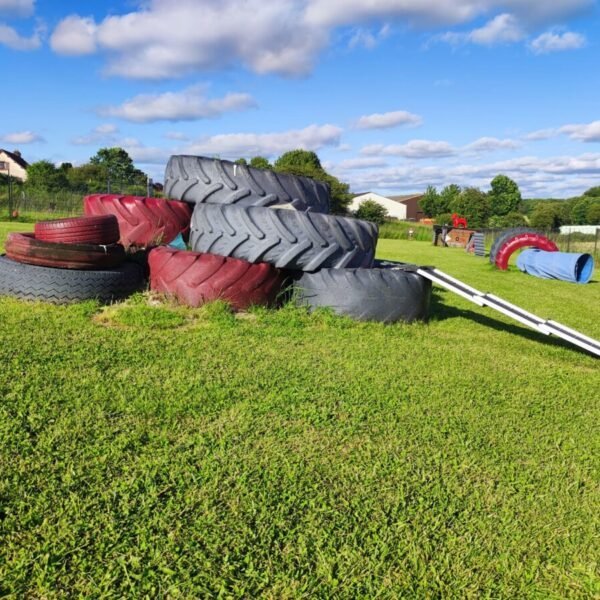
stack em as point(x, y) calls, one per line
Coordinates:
point(582, 132)
point(189, 104)
point(388, 119)
point(559, 176)
point(367, 38)
point(541, 134)
point(491, 144)
point(150, 155)
point(414, 149)
point(162, 38)
point(104, 133)
point(589, 132)
point(557, 42)
point(11, 38)
point(74, 36)
point(22, 137)
point(436, 12)
point(234, 145)
point(177, 135)
point(362, 163)
point(21, 8)
point(502, 29)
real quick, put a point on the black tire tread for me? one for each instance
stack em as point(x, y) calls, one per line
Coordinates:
point(199, 180)
point(64, 286)
point(287, 239)
point(387, 293)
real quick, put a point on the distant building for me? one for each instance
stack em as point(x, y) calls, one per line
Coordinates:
point(405, 207)
point(13, 164)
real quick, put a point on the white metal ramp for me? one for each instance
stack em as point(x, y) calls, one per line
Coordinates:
point(545, 326)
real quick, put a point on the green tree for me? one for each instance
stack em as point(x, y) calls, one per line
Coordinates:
point(430, 201)
point(593, 215)
point(548, 215)
point(43, 175)
point(505, 196)
point(118, 167)
point(369, 210)
point(594, 192)
point(474, 205)
point(579, 208)
point(447, 197)
point(307, 163)
point(87, 178)
point(241, 161)
point(512, 219)
point(260, 162)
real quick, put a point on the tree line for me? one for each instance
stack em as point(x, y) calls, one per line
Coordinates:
point(112, 169)
point(109, 169)
point(503, 206)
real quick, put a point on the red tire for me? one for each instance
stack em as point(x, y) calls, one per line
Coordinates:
point(142, 221)
point(24, 248)
point(194, 278)
point(79, 230)
point(522, 240)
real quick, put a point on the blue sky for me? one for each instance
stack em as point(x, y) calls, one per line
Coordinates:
point(392, 94)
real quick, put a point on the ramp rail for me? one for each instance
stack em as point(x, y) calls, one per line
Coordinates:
point(545, 326)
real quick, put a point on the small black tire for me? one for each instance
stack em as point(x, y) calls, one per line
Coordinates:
point(199, 180)
point(64, 286)
point(287, 239)
point(388, 292)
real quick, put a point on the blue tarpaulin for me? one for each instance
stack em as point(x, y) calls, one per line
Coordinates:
point(566, 266)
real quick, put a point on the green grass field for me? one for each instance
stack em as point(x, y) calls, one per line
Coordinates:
point(148, 450)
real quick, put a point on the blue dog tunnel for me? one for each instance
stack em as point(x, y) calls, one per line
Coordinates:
point(566, 266)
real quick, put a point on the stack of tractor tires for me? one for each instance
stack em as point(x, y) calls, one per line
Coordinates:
point(267, 228)
point(253, 235)
point(69, 260)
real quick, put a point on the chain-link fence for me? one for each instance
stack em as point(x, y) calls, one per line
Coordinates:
point(20, 204)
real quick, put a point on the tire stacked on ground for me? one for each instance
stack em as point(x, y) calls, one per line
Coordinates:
point(201, 180)
point(195, 277)
point(69, 260)
point(143, 222)
point(329, 257)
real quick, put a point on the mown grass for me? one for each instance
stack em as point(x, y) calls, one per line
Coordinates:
point(151, 450)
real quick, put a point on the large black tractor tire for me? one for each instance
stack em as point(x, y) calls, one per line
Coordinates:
point(64, 286)
point(287, 239)
point(387, 293)
point(199, 180)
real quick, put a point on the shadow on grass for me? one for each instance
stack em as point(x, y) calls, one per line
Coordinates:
point(440, 312)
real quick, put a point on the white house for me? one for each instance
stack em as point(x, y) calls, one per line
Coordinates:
point(13, 164)
point(404, 208)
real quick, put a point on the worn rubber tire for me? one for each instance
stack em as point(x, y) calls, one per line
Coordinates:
point(79, 230)
point(199, 180)
point(64, 286)
point(143, 222)
point(287, 239)
point(25, 248)
point(194, 278)
point(387, 293)
point(522, 240)
point(506, 235)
